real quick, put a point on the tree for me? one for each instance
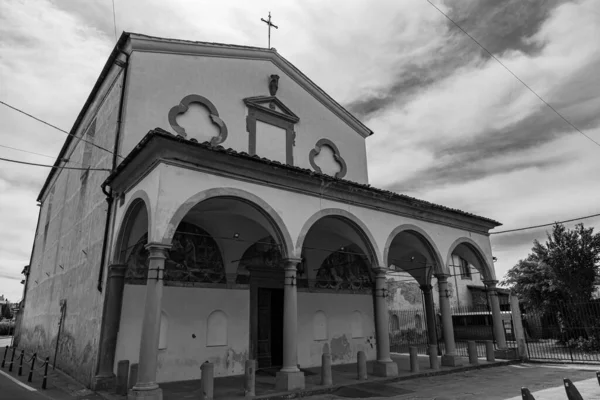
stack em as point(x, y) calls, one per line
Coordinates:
point(6, 312)
point(562, 270)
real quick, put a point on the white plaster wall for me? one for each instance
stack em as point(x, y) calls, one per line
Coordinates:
point(157, 82)
point(178, 184)
point(338, 308)
point(188, 310)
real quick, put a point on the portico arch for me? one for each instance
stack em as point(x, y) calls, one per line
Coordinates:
point(468, 249)
point(276, 228)
point(137, 216)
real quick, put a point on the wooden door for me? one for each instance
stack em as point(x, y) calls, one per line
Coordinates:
point(263, 348)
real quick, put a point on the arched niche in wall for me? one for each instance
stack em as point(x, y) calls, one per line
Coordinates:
point(216, 329)
point(320, 326)
point(164, 329)
point(395, 322)
point(357, 324)
point(418, 322)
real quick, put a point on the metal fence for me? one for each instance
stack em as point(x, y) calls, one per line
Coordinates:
point(566, 332)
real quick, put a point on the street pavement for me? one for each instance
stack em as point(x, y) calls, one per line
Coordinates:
point(10, 390)
point(545, 381)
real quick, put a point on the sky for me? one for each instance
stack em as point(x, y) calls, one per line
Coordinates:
point(452, 125)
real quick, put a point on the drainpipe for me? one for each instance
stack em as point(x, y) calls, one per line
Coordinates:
point(63, 309)
point(109, 195)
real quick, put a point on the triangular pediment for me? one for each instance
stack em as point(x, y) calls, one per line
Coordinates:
point(272, 105)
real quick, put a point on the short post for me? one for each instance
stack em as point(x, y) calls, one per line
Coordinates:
point(571, 390)
point(414, 359)
point(4, 358)
point(206, 380)
point(472, 349)
point(30, 376)
point(44, 381)
point(122, 377)
point(12, 359)
point(489, 351)
point(133, 373)
point(250, 383)
point(434, 360)
point(526, 394)
point(20, 372)
point(361, 366)
point(326, 379)
point(598, 377)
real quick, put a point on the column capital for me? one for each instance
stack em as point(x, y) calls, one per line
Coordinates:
point(157, 250)
point(291, 263)
point(117, 270)
point(426, 288)
point(442, 277)
point(380, 272)
point(490, 283)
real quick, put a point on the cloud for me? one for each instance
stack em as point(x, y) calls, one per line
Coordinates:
point(452, 126)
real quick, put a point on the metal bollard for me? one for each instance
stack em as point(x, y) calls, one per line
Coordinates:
point(414, 359)
point(206, 381)
point(472, 350)
point(526, 394)
point(122, 377)
point(434, 360)
point(489, 351)
point(20, 372)
point(12, 359)
point(30, 376)
point(361, 364)
point(133, 373)
point(598, 377)
point(4, 358)
point(45, 373)
point(571, 389)
point(326, 378)
point(250, 383)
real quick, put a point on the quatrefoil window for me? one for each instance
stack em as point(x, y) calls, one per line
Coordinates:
point(335, 154)
point(182, 108)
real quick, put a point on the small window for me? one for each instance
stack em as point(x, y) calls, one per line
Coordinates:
point(395, 323)
point(465, 269)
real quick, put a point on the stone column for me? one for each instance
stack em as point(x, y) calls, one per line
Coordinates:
point(430, 314)
point(450, 358)
point(384, 365)
point(518, 329)
point(290, 377)
point(111, 317)
point(496, 316)
point(146, 386)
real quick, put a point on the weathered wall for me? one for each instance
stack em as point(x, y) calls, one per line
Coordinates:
point(226, 82)
point(67, 248)
point(343, 340)
point(187, 311)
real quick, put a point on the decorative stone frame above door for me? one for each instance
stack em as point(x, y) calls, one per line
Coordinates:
point(272, 111)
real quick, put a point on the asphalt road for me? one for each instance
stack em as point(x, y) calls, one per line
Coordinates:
point(10, 390)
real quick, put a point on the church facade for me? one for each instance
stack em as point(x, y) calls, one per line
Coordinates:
point(226, 215)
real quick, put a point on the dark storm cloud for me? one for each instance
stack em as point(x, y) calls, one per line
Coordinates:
point(499, 26)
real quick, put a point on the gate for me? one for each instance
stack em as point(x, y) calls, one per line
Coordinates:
point(408, 328)
point(565, 332)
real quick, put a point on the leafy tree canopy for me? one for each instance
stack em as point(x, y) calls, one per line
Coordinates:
point(563, 270)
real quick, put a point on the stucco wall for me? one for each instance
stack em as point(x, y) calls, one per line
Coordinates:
point(159, 82)
point(341, 342)
point(66, 255)
point(187, 311)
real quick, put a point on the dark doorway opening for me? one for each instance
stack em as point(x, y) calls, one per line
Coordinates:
point(270, 328)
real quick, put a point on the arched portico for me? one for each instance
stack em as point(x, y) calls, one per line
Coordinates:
point(412, 253)
point(467, 249)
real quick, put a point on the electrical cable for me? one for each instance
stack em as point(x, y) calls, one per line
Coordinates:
point(114, 19)
point(57, 128)
point(27, 151)
point(541, 226)
point(513, 74)
point(54, 166)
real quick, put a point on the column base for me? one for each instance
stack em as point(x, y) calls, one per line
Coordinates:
point(451, 361)
point(153, 394)
point(289, 380)
point(385, 368)
point(507, 354)
point(103, 382)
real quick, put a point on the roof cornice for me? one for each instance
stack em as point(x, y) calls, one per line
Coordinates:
point(161, 146)
point(151, 44)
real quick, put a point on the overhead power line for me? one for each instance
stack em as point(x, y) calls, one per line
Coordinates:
point(27, 151)
point(549, 224)
point(53, 166)
point(57, 128)
point(513, 74)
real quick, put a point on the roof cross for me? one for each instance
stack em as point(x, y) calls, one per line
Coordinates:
point(270, 24)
